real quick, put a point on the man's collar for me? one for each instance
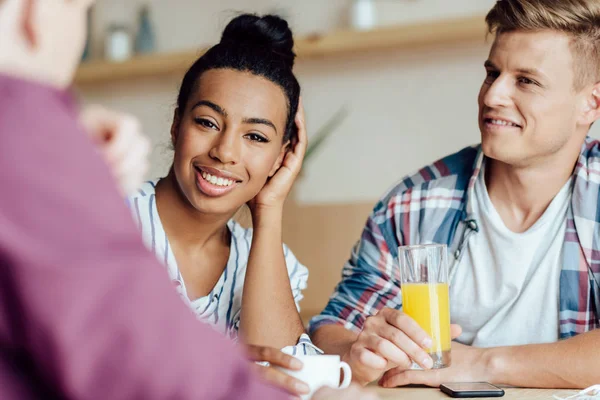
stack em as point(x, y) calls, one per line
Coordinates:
point(585, 198)
point(477, 165)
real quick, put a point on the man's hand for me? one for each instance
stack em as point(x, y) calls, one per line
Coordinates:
point(353, 392)
point(120, 140)
point(277, 358)
point(469, 364)
point(389, 339)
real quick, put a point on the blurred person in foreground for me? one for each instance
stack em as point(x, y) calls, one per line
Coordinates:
point(519, 213)
point(85, 312)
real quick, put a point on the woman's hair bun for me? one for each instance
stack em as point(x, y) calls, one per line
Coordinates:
point(268, 31)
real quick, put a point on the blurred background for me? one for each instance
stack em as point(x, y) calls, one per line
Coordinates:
point(406, 74)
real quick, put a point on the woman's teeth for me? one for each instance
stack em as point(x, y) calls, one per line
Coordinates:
point(502, 123)
point(216, 181)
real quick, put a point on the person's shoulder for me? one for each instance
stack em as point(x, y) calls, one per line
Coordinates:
point(452, 172)
point(40, 121)
point(145, 191)
point(36, 105)
point(140, 202)
point(25, 95)
point(591, 150)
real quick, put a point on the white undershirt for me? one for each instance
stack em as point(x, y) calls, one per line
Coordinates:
point(506, 288)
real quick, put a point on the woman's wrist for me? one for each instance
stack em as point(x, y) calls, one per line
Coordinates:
point(267, 217)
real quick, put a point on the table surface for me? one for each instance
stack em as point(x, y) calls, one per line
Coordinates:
point(435, 394)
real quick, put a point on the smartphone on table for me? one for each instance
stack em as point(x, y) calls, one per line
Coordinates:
point(471, 389)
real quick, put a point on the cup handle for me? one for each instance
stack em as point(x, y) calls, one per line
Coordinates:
point(347, 375)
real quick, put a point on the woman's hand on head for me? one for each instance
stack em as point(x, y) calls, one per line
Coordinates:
point(275, 191)
point(122, 144)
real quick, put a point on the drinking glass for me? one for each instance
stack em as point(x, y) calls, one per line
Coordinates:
point(425, 298)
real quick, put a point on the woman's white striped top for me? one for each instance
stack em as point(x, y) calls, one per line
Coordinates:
point(222, 306)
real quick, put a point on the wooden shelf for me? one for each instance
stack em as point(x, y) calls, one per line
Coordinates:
point(311, 46)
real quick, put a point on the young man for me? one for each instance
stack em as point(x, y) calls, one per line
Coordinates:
point(519, 213)
point(85, 311)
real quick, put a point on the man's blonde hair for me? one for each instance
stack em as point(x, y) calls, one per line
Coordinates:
point(580, 19)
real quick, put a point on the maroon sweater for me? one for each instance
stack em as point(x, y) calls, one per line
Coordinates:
point(85, 310)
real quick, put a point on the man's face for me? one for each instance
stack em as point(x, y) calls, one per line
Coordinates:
point(528, 107)
point(59, 27)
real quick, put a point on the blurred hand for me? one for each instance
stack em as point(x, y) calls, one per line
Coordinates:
point(277, 358)
point(353, 392)
point(390, 339)
point(120, 140)
point(275, 191)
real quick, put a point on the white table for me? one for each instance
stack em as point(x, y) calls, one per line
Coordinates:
point(435, 394)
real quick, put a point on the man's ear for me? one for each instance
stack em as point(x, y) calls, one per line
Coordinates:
point(280, 158)
point(591, 107)
point(175, 127)
point(27, 25)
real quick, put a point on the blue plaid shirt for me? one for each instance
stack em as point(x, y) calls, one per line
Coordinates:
point(434, 206)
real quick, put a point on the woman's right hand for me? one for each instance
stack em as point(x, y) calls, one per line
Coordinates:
point(277, 358)
point(275, 191)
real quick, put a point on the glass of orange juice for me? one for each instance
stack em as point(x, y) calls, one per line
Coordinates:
point(424, 286)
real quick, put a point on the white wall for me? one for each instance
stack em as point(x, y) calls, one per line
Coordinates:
point(406, 108)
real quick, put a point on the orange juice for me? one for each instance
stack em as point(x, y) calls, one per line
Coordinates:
point(428, 304)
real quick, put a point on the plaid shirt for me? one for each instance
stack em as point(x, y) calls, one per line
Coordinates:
point(434, 206)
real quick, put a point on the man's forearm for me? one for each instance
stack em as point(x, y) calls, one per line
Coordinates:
point(334, 339)
point(571, 363)
point(269, 315)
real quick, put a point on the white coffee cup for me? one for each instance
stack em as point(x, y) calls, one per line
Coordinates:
point(321, 370)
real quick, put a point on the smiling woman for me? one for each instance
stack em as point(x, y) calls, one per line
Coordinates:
point(239, 138)
point(232, 130)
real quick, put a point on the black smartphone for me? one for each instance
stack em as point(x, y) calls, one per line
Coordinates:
point(471, 389)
